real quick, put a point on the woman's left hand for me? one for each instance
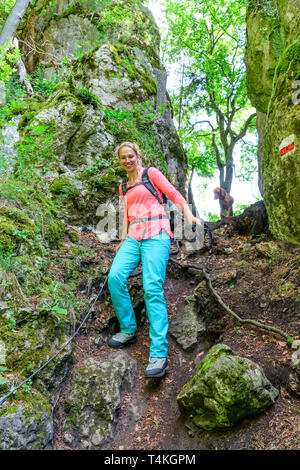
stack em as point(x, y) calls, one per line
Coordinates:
point(197, 221)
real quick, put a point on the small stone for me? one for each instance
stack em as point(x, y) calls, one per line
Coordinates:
point(295, 359)
point(3, 307)
point(296, 344)
point(68, 438)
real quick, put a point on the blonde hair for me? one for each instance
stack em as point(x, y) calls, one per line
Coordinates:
point(131, 145)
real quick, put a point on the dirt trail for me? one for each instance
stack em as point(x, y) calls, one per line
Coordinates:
point(149, 417)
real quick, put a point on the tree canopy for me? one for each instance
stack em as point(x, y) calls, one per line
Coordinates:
point(211, 106)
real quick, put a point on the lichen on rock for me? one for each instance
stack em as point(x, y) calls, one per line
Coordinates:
point(224, 390)
point(94, 399)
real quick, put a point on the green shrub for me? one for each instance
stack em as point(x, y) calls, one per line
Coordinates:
point(87, 97)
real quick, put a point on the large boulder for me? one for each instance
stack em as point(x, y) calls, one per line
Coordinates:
point(225, 389)
point(95, 397)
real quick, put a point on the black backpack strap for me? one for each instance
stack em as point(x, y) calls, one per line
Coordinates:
point(146, 181)
point(124, 189)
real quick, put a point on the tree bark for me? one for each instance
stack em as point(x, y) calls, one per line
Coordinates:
point(190, 194)
point(253, 221)
point(13, 20)
point(7, 35)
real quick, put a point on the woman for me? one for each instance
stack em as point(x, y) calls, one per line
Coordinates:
point(147, 241)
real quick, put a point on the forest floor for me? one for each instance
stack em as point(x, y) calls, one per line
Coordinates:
point(264, 289)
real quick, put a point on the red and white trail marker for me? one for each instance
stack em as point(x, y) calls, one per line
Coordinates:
point(287, 146)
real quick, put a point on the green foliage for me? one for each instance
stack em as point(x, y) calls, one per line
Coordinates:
point(42, 85)
point(5, 7)
point(125, 21)
point(95, 167)
point(34, 151)
point(8, 56)
point(240, 208)
point(87, 97)
point(248, 160)
point(213, 217)
point(211, 105)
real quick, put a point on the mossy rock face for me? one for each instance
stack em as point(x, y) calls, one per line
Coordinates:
point(28, 426)
point(117, 71)
point(289, 11)
point(63, 185)
point(31, 227)
point(224, 390)
point(281, 163)
point(264, 46)
point(64, 29)
point(94, 399)
point(115, 75)
point(15, 228)
point(54, 233)
point(273, 75)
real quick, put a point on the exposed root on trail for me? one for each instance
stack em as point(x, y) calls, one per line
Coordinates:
point(192, 267)
point(241, 320)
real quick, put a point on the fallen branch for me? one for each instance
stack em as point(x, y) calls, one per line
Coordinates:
point(234, 315)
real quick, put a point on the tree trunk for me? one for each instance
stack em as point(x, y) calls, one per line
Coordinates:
point(13, 20)
point(253, 221)
point(6, 35)
point(190, 194)
point(180, 100)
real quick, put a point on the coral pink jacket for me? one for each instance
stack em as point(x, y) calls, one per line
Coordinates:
point(140, 203)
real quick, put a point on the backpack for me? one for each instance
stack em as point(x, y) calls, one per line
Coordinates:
point(147, 183)
point(170, 205)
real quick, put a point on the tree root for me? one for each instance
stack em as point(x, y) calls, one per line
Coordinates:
point(192, 267)
point(234, 315)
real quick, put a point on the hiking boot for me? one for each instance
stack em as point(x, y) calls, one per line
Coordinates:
point(122, 339)
point(157, 367)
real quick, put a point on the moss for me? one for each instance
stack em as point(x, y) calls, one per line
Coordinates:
point(222, 395)
point(15, 226)
point(88, 97)
point(26, 349)
point(54, 233)
point(70, 268)
point(63, 185)
point(124, 58)
point(65, 95)
point(33, 406)
point(6, 237)
point(106, 183)
point(29, 112)
point(74, 237)
point(290, 60)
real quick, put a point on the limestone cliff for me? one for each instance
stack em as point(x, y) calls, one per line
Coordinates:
point(113, 88)
point(273, 73)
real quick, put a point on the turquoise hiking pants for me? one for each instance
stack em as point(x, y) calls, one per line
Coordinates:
point(154, 254)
